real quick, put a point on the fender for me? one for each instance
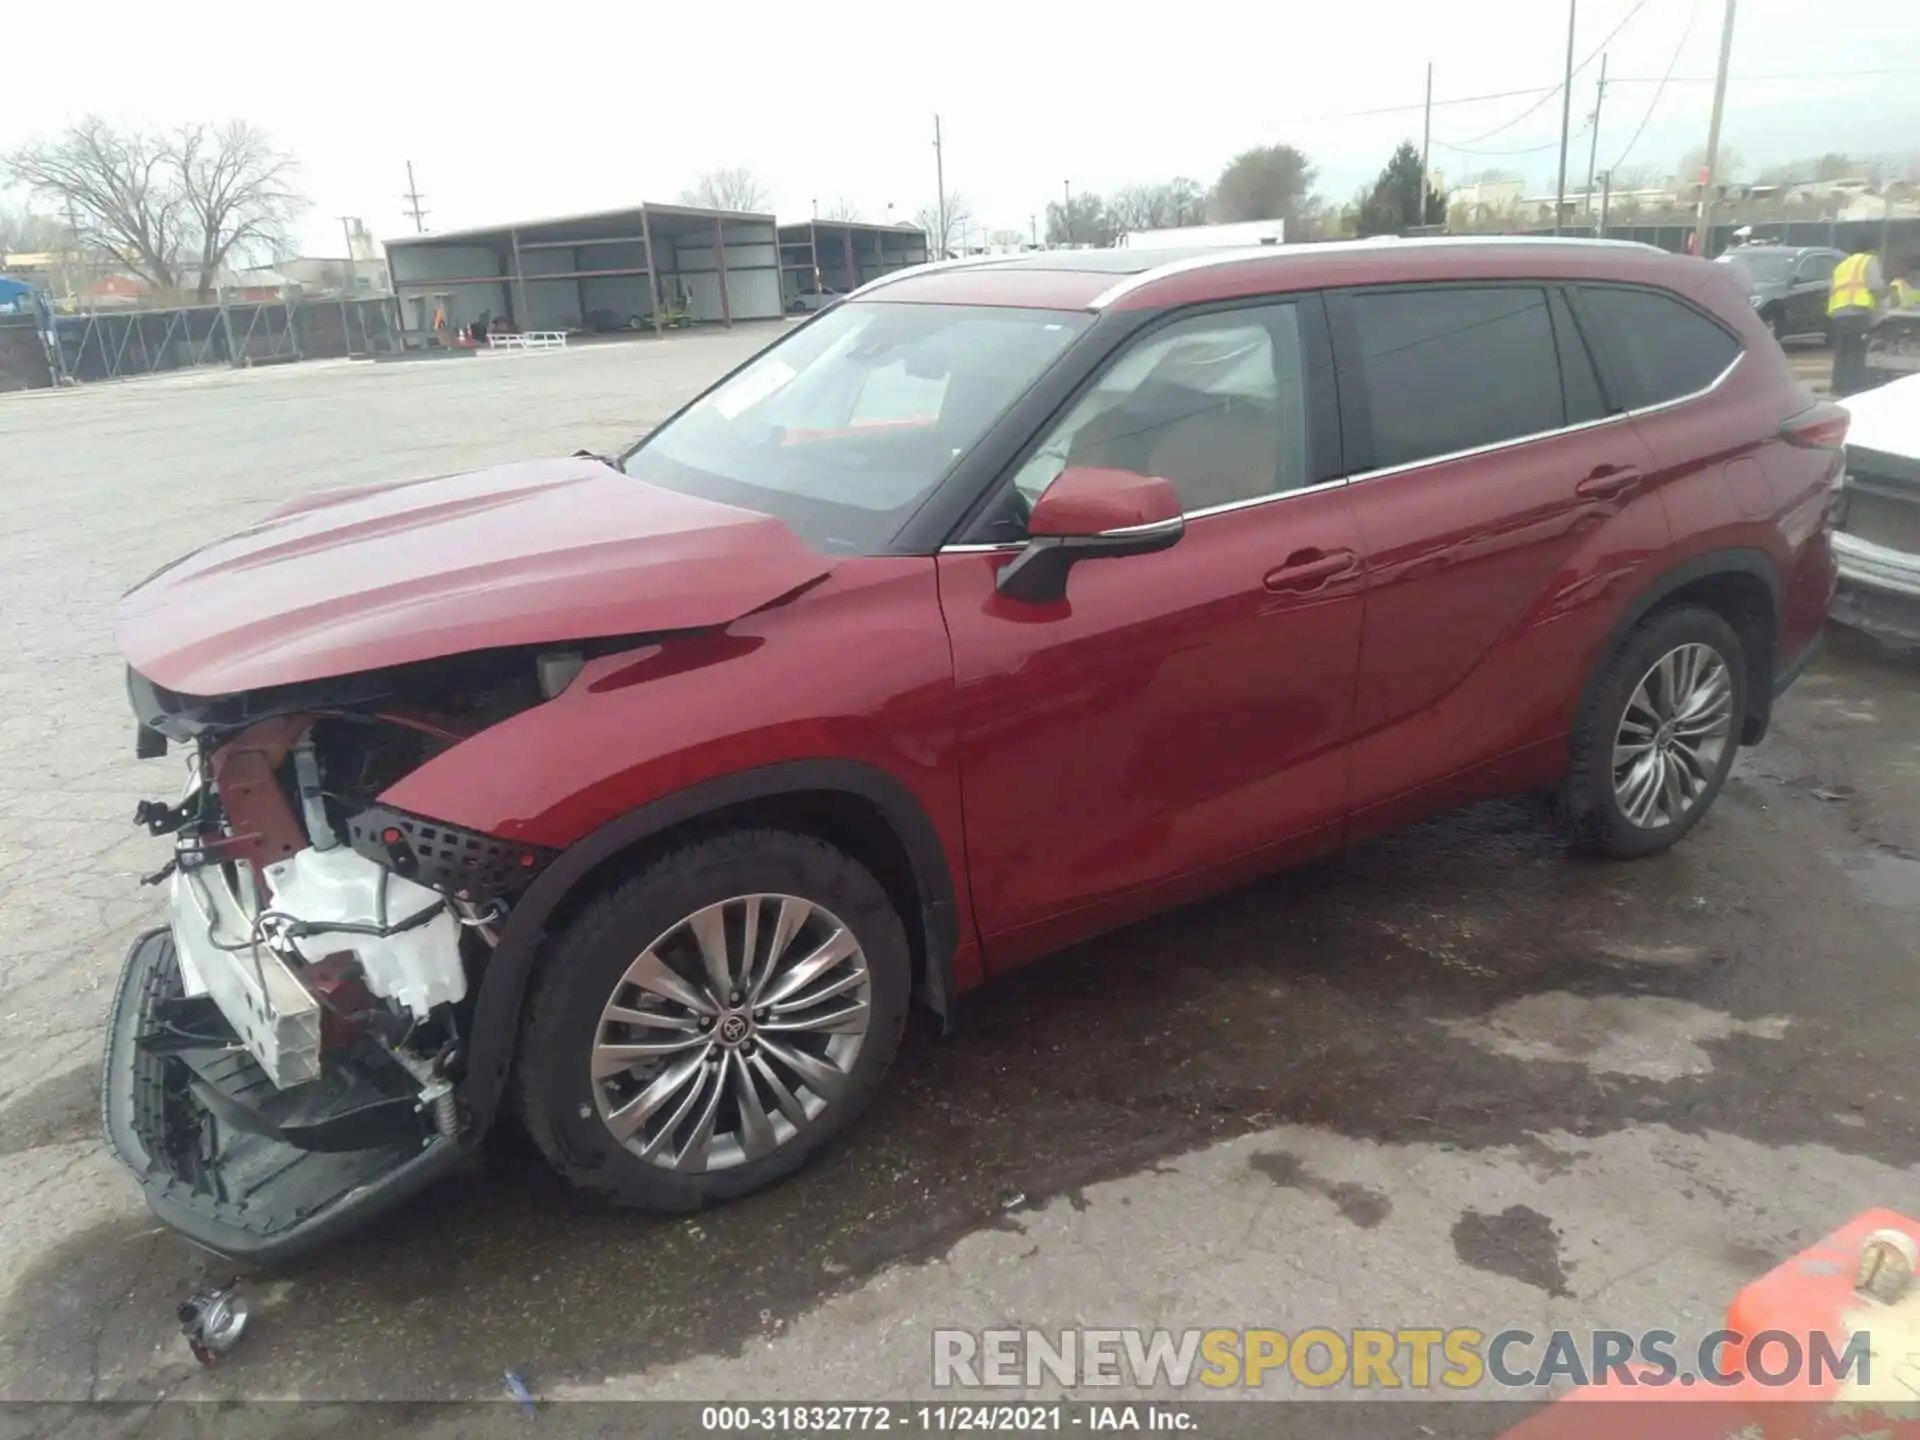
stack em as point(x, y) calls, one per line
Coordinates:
point(503, 984)
point(1742, 560)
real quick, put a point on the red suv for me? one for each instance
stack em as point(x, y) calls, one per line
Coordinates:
point(1000, 604)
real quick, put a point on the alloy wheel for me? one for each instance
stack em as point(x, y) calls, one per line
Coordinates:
point(1668, 747)
point(731, 1033)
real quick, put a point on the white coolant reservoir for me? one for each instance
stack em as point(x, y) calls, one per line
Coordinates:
point(419, 967)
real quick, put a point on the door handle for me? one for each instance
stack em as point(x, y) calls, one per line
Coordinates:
point(1606, 481)
point(1310, 569)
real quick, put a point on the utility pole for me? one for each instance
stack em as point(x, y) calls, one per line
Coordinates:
point(1426, 145)
point(346, 286)
point(940, 188)
point(1033, 230)
point(412, 197)
point(1704, 230)
point(1566, 124)
point(1606, 196)
point(1066, 211)
point(1593, 150)
point(69, 250)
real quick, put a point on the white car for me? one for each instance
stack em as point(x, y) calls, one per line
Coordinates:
point(1877, 539)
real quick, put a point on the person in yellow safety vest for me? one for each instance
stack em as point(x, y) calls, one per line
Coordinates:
point(1903, 292)
point(1854, 298)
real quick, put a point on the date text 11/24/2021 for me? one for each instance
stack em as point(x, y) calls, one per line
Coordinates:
point(984, 1419)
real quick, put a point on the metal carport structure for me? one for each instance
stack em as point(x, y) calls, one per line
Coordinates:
point(842, 255)
point(716, 266)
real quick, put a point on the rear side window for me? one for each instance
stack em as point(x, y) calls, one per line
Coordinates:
point(1454, 368)
point(1816, 267)
point(1655, 347)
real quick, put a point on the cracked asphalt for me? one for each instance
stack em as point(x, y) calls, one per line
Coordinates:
point(1452, 1077)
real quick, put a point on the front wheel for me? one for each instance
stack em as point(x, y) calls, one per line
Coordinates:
point(1654, 744)
point(702, 1029)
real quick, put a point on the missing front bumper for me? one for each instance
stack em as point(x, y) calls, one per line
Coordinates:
point(246, 1195)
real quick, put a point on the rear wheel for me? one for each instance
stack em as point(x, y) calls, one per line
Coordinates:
point(1656, 741)
point(701, 1030)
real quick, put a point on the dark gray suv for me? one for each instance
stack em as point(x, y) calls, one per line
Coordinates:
point(1790, 284)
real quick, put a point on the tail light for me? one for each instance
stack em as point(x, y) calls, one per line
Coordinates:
point(1818, 427)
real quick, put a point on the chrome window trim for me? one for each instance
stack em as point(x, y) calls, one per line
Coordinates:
point(1186, 516)
point(1145, 527)
point(1385, 470)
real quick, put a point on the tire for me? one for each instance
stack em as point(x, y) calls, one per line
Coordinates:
point(570, 1111)
point(1776, 325)
point(1598, 800)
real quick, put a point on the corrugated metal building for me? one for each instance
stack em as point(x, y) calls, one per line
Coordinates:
point(839, 256)
point(612, 269)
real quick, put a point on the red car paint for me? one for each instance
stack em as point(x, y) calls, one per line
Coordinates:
point(1283, 679)
point(382, 575)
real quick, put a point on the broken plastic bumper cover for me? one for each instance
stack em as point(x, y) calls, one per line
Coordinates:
point(242, 1192)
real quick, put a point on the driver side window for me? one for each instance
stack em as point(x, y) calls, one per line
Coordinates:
point(1216, 405)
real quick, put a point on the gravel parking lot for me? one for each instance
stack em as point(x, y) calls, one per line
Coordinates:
point(1452, 1077)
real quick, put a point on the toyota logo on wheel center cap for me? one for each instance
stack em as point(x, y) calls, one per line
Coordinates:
point(733, 1029)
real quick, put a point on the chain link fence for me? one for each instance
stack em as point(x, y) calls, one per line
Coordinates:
point(120, 344)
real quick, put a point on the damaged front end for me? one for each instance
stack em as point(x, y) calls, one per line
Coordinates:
point(284, 1058)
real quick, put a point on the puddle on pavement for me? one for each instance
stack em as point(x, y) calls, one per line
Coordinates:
point(1883, 877)
point(1651, 1037)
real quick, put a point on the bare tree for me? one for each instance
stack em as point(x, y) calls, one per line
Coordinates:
point(24, 230)
point(1158, 205)
point(165, 206)
point(1268, 182)
point(737, 188)
point(958, 219)
point(238, 191)
point(1730, 165)
point(122, 189)
point(842, 211)
point(1081, 219)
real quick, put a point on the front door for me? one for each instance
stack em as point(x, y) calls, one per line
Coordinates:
point(1180, 719)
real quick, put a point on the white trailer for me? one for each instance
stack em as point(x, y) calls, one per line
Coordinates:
point(1189, 237)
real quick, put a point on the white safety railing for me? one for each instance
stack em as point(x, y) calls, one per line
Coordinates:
point(529, 340)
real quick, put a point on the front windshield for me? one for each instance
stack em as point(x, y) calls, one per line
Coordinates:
point(842, 430)
point(1772, 266)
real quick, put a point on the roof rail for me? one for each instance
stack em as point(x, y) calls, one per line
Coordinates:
point(1130, 283)
point(962, 262)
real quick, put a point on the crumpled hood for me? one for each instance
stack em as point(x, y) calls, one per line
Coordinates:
point(381, 575)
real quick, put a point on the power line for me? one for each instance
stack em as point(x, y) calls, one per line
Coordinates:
point(1462, 100)
point(1654, 104)
point(1754, 79)
point(1598, 50)
point(1553, 144)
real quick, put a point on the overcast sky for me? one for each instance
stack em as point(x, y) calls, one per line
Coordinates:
point(514, 111)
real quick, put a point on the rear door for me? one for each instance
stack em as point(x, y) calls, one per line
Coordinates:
point(1807, 304)
point(1495, 495)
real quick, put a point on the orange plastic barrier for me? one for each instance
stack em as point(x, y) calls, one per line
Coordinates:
point(1850, 1298)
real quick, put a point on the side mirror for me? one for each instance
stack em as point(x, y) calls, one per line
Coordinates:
point(1090, 514)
